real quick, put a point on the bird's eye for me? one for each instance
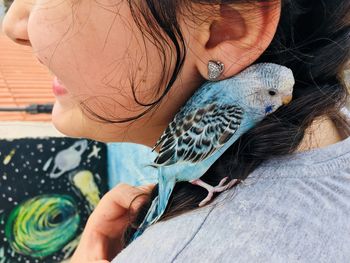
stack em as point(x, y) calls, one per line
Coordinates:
point(272, 92)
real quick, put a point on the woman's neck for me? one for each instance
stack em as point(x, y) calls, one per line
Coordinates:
point(323, 132)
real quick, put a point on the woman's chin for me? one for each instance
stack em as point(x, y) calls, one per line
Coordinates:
point(68, 120)
point(71, 121)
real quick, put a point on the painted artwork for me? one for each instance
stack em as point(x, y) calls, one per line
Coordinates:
point(48, 188)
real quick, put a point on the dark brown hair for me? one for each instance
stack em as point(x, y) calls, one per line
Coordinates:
point(312, 39)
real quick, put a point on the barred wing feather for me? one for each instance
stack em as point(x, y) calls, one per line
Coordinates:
point(198, 135)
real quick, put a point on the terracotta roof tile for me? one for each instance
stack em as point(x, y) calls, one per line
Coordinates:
point(23, 81)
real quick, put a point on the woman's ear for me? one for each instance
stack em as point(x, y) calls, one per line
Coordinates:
point(236, 37)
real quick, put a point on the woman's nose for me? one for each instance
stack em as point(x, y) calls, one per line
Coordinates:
point(15, 23)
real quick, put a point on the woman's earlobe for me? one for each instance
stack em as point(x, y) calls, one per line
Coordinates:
point(237, 36)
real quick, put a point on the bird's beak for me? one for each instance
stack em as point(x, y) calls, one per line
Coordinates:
point(287, 99)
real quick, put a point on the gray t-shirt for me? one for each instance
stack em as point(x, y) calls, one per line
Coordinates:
point(290, 209)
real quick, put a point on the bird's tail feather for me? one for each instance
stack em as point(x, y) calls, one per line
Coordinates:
point(166, 185)
point(159, 204)
point(147, 221)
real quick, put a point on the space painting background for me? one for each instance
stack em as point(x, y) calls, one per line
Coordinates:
point(48, 188)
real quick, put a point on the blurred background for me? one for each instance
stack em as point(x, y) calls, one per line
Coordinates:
point(23, 82)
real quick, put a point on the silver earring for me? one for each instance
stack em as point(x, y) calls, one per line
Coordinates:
point(215, 69)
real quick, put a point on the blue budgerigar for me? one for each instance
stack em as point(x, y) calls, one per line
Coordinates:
point(210, 122)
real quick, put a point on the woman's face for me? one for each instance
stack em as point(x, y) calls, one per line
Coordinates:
point(97, 52)
point(104, 61)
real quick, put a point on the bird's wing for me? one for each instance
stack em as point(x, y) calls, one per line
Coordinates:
point(198, 134)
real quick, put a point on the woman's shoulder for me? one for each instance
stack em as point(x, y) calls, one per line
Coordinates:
point(265, 219)
point(290, 209)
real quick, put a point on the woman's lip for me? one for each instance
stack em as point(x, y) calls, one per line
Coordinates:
point(58, 88)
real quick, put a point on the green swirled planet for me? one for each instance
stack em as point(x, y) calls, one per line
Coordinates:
point(42, 225)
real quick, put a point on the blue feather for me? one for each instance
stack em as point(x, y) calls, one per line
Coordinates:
point(209, 123)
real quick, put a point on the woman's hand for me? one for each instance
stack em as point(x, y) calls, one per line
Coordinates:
point(101, 239)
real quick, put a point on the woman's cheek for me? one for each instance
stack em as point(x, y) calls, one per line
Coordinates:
point(48, 26)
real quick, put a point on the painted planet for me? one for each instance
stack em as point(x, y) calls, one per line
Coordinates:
point(68, 159)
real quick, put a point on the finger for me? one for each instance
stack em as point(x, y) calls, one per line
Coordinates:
point(116, 203)
point(123, 194)
point(109, 219)
point(147, 188)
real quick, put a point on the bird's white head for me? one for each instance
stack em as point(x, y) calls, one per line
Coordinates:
point(264, 87)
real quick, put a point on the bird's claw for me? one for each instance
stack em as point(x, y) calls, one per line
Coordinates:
point(221, 187)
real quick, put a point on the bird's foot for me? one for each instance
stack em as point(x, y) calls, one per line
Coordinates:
point(221, 187)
